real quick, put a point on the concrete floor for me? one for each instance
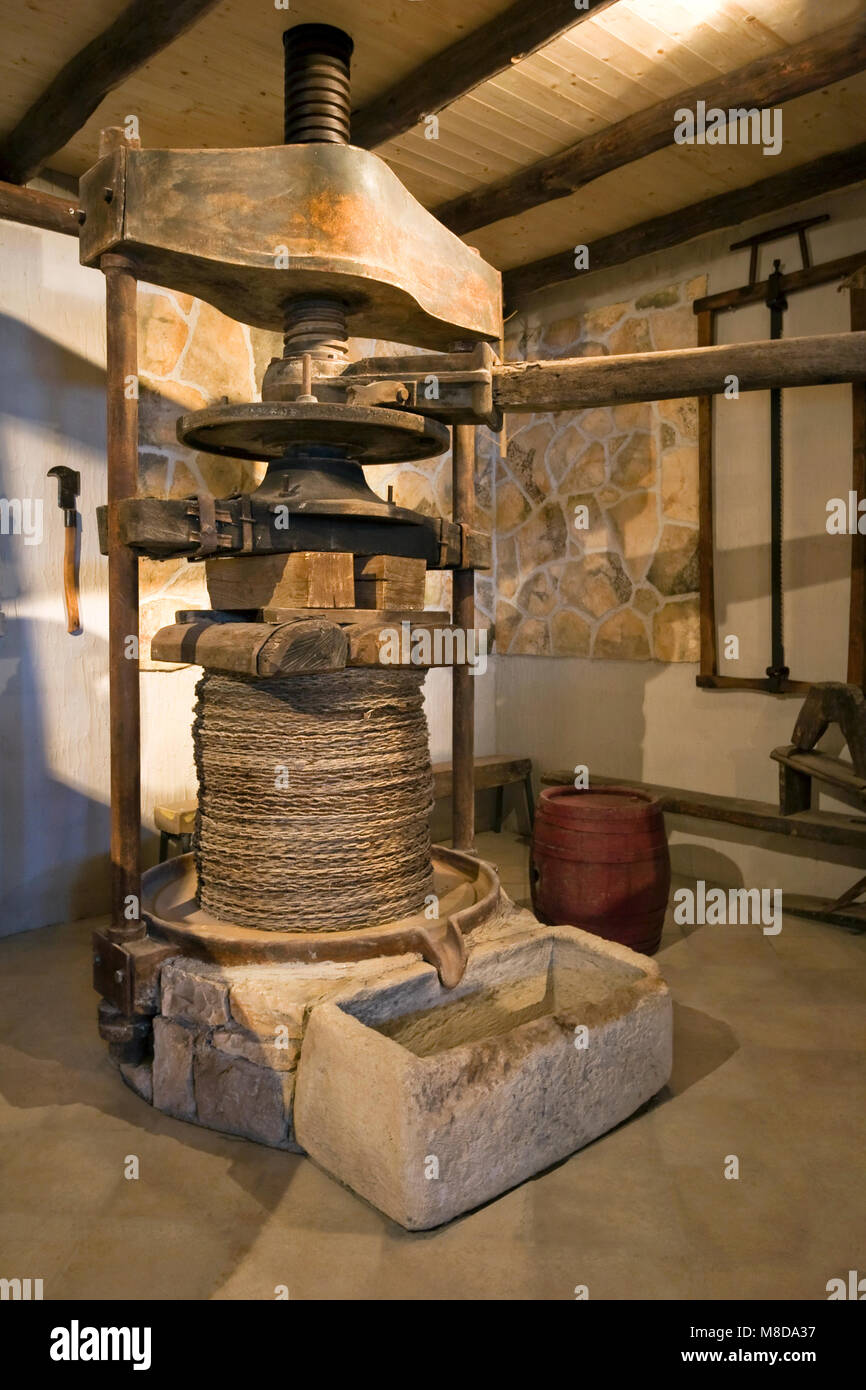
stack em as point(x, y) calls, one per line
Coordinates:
point(769, 1048)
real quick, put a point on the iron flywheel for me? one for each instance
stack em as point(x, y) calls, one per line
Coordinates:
point(269, 429)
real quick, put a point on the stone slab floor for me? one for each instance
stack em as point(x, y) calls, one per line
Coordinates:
point(769, 1068)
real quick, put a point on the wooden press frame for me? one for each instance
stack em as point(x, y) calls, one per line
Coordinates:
point(706, 310)
point(123, 616)
point(123, 620)
point(121, 298)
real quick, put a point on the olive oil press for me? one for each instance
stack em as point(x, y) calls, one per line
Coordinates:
point(315, 975)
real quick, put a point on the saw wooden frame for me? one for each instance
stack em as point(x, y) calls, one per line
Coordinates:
point(706, 309)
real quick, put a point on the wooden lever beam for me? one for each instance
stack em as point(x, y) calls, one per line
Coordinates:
point(36, 209)
point(581, 383)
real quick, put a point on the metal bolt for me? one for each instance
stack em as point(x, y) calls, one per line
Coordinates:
point(118, 975)
point(306, 396)
point(108, 194)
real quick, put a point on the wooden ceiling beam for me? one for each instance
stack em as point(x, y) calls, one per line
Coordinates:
point(492, 48)
point(141, 31)
point(817, 62)
point(728, 209)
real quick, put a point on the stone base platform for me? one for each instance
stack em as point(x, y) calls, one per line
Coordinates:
point(426, 1101)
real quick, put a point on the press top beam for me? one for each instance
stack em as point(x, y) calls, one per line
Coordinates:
point(249, 230)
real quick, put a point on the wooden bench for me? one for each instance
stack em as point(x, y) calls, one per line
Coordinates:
point(495, 770)
point(175, 823)
point(824, 827)
point(797, 769)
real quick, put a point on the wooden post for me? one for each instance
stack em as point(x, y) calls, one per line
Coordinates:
point(706, 538)
point(124, 709)
point(463, 687)
point(857, 613)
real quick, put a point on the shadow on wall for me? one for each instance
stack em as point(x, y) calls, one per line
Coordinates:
point(53, 839)
point(743, 572)
point(702, 862)
point(552, 730)
point(50, 386)
point(53, 704)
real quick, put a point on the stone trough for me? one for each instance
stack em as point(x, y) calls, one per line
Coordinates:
point(429, 1103)
point(426, 1101)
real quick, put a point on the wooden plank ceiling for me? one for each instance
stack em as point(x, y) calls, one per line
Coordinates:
point(220, 84)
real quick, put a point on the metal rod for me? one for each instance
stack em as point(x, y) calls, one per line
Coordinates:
point(317, 108)
point(318, 103)
point(706, 530)
point(777, 671)
point(857, 605)
point(463, 682)
point(124, 706)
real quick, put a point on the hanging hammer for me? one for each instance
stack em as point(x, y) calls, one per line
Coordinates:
point(68, 488)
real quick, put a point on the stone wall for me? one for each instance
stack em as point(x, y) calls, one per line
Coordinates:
point(189, 356)
point(597, 510)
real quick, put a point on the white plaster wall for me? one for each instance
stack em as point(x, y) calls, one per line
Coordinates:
point(649, 721)
point(53, 686)
point(54, 825)
point(437, 706)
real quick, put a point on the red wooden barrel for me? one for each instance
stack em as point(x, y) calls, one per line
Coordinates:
point(600, 861)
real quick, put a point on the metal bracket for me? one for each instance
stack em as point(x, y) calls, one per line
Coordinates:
point(445, 527)
point(245, 520)
point(777, 234)
point(127, 973)
point(214, 525)
point(390, 393)
point(455, 387)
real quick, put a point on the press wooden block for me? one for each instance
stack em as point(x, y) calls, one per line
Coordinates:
point(176, 818)
point(389, 581)
point(305, 579)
